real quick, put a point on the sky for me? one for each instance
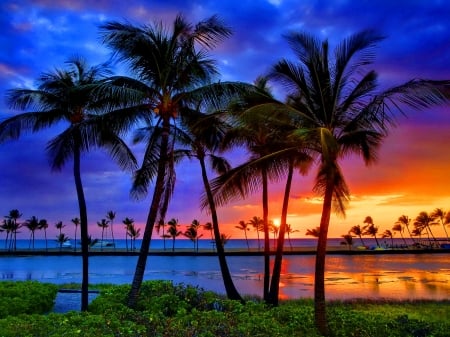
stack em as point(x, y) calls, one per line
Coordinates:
point(411, 175)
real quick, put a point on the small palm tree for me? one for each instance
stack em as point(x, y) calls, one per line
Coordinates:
point(358, 231)
point(370, 229)
point(128, 223)
point(289, 231)
point(224, 238)
point(258, 225)
point(192, 233)
point(134, 233)
point(43, 224)
point(14, 226)
point(348, 240)
point(423, 222)
point(399, 228)
point(405, 221)
point(110, 215)
point(59, 226)
point(244, 227)
point(32, 224)
point(443, 217)
point(76, 222)
point(314, 232)
point(173, 232)
point(161, 225)
point(388, 234)
point(103, 224)
point(209, 227)
point(61, 239)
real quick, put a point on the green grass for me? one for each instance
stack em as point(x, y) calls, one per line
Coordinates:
point(168, 310)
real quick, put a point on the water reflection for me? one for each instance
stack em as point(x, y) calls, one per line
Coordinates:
point(370, 276)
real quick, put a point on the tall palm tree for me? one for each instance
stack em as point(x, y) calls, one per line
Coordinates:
point(442, 216)
point(171, 67)
point(32, 224)
point(43, 224)
point(208, 226)
point(110, 216)
point(341, 113)
point(76, 222)
point(61, 238)
point(192, 233)
point(358, 231)
point(243, 226)
point(133, 233)
point(79, 97)
point(14, 225)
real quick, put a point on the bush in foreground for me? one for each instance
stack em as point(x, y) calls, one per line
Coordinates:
point(167, 310)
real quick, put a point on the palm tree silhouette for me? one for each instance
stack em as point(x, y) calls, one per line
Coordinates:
point(173, 232)
point(370, 229)
point(243, 226)
point(103, 224)
point(422, 223)
point(43, 224)
point(134, 233)
point(76, 222)
point(173, 67)
point(313, 232)
point(289, 231)
point(13, 226)
point(358, 231)
point(404, 221)
point(79, 96)
point(388, 234)
point(192, 233)
point(110, 215)
point(32, 224)
point(399, 228)
point(340, 113)
point(208, 226)
point(128, 223)
point(258, 225)
point(443, 217)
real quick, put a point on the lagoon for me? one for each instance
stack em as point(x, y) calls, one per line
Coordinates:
point(380, 276)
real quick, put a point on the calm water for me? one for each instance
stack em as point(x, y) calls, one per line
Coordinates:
point(409, 276)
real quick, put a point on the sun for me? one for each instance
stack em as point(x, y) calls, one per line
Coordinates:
point(276, 222)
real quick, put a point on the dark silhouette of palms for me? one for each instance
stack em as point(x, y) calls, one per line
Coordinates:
point(358, 231)
point(32, 224)
point(110, 215)
point(76, 222)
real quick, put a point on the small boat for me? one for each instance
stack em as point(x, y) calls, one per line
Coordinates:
point(66, 244)
point(103, 244)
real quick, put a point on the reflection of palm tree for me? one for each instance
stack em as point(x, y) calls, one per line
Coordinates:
point(43, 224)
point(173, 232)
point(32, 224)
point(174, 67)
point(243, 226)
point(443, 217)
point(76, 222)
point(110, 215)
point(358, 231)
point(103, 224)
point(370, 229)
point(341, 114)
point(79, 97)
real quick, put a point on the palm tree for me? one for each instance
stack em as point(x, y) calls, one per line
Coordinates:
point(192, 233)
point(348, 240)
point(224, 238)
point(358, 231)
point(423, 222)
point(110, 215)
point(399, 228)
point(7, 227)
point(78, 96)
point(173, 232)
point(161, 224)
point(128, 223)
point(32, 224)
point(76, 222)
point(172, 66)
point(315, 232)
point(404, 220)
point(243, 226)
point(43, 224)
point(134, 233)
point(340, 113)
point(14, 226)
point(209, 227)
point(442, 216)
point(61, 238)
point(370, 229)
point(289, 231)
point(388, 234)
point(258, 225)
point(59, 226)
point(103, 224)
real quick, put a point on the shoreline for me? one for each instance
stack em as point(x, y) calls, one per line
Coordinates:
point(335, 250)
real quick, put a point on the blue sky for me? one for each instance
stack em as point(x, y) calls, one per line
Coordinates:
point(412, 175)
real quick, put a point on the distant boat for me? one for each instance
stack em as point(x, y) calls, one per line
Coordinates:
point(103, 244)
point(66, 244)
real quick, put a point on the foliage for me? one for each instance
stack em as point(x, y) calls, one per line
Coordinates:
point(165, 309)
point(28, 297)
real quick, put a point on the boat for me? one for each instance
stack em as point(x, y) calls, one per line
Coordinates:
point(103, 244)
point(66, 244)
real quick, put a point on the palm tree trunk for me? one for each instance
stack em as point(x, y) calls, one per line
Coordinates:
point(230, 288)
point(151, 218)
point(265, 202)
point(319, 277)
point(83, 229)
point(276, 274)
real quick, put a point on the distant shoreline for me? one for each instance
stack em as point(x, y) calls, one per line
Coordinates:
point(337, 250)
